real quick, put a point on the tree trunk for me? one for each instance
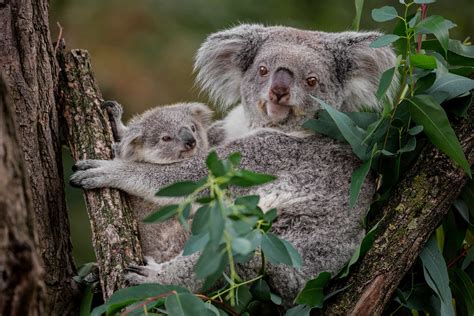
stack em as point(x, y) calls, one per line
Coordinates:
point(22, 288)
point(411, 214)
point(28, 63)
point(114, 228)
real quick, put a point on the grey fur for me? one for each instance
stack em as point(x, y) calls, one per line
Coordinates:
point(311, 192)
point(141, 142)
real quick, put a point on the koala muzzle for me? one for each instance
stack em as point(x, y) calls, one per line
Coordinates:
point(280, 87)
point(187, 138)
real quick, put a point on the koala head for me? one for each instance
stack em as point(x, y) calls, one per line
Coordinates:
point(166, 134)
point(274, 71)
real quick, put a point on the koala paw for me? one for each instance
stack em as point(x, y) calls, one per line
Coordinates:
point(142, 274)
point(90, 174)
point(113, 108)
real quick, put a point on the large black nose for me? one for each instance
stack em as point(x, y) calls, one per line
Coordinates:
point(280, 87)
point(187, 138)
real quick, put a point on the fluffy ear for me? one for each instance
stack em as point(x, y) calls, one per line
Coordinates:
point(130, 147)
point(201, 113)
point(223, 58)
point(361, 67)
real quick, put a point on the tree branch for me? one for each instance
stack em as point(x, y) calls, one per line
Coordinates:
point(114, 228)
point(411, 214)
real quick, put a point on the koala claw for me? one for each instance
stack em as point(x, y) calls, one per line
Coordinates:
point(113, 108)
point(86, 164)
point(140, 274)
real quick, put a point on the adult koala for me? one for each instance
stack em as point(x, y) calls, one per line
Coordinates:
point(273, 71)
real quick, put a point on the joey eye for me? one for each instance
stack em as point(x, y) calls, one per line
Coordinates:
point(166, 138)
point(193, 128)
point(311, 81)
point(262, 71)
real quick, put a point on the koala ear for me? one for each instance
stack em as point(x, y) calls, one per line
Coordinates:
point(224, 57)
point(130, 147)
point(361, 67)
point(202, 113)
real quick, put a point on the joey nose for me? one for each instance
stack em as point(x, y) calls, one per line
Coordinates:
point(280, 87)
point(190, 144)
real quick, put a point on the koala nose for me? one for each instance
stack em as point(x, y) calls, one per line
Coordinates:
point(187, 138)
point(280, 87)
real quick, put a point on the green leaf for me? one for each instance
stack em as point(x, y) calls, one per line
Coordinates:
point(245, 178)
point(438, 26)
point(352, 134)
point(459, 48)
point(385, 82)
point(359, 5)
point(242, 298)
point(423, 61)
point(183, 188)
point(275, 298)
point(234, 159)
point(359, 252)
point(436, 275)
point(469, 259)
point(275, 250)
point(448, 86)
point(463, 290)
point(294, 254)
point(86, 302)
point(357, 179)
point(201, 220)
point(409, 146)
point(260, 290)
point(215, 165)
point(424, 1)
point(249, 201)
point(186, 304)
point(384, 40)
point(384, 14)
point(313, 292)
point(216, 223)
point(415, 130)
point(209, 262)
point(241, 246)
point(164, 213)
point(195, 243)
point(427, 112)
point(130, 295)
point(463, 210)
point(299, 310)
point(270, 215)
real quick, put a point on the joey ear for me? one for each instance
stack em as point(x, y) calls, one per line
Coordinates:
point(362, 67)
point(202, 113)
point(130, 147)
point(224, 57)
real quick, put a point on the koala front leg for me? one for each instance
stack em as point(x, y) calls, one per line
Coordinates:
point(177, 271)
point(115, 112)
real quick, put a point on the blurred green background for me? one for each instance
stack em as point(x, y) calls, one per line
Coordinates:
point(142, 50)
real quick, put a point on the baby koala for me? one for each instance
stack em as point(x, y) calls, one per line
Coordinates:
point(162, 135)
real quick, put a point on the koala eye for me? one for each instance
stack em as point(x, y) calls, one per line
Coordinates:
point(311, 81)
point(193, 128)
point(262, 71)
point(166, 138)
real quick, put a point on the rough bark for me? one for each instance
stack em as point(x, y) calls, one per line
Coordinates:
point(22, 288)
point(411, 214)
point(27, 61)
point(89, 135)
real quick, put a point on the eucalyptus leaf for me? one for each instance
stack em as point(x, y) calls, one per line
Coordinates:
point(298, 310)
point(448, 86)
point(463, 290)
point(210, 261)
point(260, 290)
point(275, 250)
point(424, 1)
point(436, 275)
point(384, 14)
point(357, 179)
point(422, 61)
point(352, 134)
point(409, 146)
point(186, 304)
point(415, 130)
point(384, 40)
point(195, 243)
point(438, 26)
point(215, 165)
point(179, 189)
point(385, 83)
point(313, 292)
point(245, 178)
point(427, 112)
point(241, 246)
point(359, 5)
point(164, 213)
point(459, 48)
